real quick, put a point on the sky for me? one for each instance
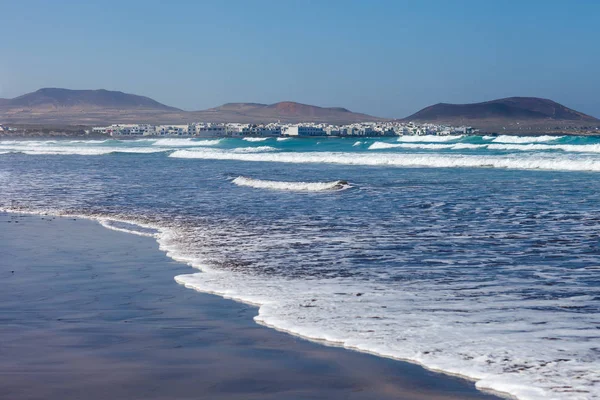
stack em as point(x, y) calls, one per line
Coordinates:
point(384, 58)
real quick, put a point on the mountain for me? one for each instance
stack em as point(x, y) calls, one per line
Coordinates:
point(59, 107)
point(237, 107)
point(54, 98)
point(512, 113)
point(286, 111)
point(91, 107)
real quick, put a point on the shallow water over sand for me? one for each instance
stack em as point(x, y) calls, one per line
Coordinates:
point(90, 313)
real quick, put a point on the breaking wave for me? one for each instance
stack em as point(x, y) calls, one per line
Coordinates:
point(426, 146)
point(259, 149)
point(429, 138)
point(528, 162)
point(293, 186)
point(81, 151)
point(128, 227)
point(525, 139)
point(577, 148)
point(256, 139)
point(185, 142)
point(90, 141)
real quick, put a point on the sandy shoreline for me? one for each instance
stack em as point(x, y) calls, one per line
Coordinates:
point(94, 313)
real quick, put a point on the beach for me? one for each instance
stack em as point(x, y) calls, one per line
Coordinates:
point(89, 312)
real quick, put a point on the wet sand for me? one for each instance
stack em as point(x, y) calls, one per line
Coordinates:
point(90, 313)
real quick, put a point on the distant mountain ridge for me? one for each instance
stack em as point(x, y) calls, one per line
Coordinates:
point(511, 108)
point(54, 98)
point(288, 109)
point(60, 107)
point(238, 107)
point(65, 106)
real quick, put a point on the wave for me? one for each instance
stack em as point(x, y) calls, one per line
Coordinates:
point(89, 141)
point(140, 231)
point(426, 146)
point(357, 143)
point(527, 162)
point(582, 148)
point(185, 142)
point(525, 139)
point(81, 151)
point(479, 356)
point(429, 138)
point(337, 316)
point(293, 186)
point(431, 146)
point(385, 146)
point(259, 149)
point(27, 142)
point(283, 139)
point(467, 146)
point(256, 139)
point(577, 148)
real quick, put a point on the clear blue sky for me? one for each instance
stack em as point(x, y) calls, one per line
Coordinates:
point(386, 58)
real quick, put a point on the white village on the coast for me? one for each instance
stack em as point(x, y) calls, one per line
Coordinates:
point(206, 129)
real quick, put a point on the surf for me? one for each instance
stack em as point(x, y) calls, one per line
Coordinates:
point(292, 186)
point(523, 161)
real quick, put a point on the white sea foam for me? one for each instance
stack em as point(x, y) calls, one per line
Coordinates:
point(77, 150)
point(525, 139)
point(113, 225)
point(468, 146)
point(185, 142)
point(357, 143)
point(577, 148)
point(524, 161)
point(386, 145)
point(531, 147)
point(429, 138)
point(388, 322)
point(89, 141)
point(292, 186)
point(282, 139)
point(259, 149)
point(426, 146)
point(255, 139)
point(27, 142)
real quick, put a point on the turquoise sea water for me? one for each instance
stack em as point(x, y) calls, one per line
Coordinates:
point(477, 256)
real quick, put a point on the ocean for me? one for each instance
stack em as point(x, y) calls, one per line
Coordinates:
point(476, 256)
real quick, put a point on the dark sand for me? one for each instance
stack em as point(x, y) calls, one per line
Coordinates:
point(90, 313)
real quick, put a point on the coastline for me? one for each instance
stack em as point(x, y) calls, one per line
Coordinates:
point(349, 374)
point(76, 136)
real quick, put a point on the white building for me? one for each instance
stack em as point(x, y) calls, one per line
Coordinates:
point(171, 130)
point(303, 130)
point(99, 129)
point(208, 130)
